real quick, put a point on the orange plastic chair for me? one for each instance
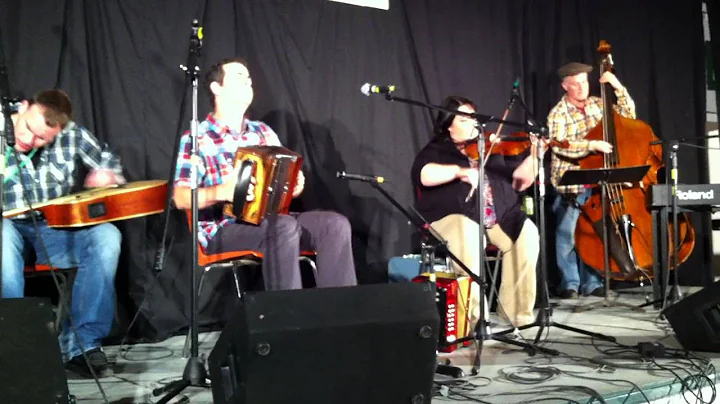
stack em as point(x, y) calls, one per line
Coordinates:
point(234, 260)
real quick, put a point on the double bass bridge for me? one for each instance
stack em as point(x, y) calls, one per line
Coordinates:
point(620, 243)
point(626, 226)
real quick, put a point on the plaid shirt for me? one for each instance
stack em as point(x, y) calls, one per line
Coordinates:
point(57, 168)
point(217, 144)
point(566, 121)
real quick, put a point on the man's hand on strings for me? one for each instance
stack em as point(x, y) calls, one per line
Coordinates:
point(102, 178)
point(610, 78)
point(600, 146)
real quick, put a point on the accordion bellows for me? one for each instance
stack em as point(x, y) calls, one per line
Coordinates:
point(275, 170)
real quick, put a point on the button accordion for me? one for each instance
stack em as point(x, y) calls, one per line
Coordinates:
point(275, 170)
point(453, 302)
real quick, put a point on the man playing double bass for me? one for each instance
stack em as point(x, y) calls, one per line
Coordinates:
point(571, 119)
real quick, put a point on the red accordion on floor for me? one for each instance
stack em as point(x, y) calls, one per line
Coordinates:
point(453, 302)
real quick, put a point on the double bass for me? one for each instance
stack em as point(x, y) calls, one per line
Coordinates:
point(630, 221)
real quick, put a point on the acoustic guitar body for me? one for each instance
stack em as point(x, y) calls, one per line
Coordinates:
point(100, 205)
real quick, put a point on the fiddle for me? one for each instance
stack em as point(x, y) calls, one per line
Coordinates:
point(508, 145)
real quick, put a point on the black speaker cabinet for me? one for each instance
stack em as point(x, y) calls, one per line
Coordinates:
point(696, 320)
point(363, 344)
point(31, 367)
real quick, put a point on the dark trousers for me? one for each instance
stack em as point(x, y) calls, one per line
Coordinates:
point(281, 238)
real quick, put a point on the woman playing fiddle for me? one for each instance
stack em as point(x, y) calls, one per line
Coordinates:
point(444, 174)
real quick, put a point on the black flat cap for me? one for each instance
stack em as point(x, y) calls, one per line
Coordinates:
point(572, 69)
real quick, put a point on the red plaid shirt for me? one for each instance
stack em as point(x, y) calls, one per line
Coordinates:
point(217, 144)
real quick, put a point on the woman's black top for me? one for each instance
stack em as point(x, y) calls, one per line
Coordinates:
point(434, 203)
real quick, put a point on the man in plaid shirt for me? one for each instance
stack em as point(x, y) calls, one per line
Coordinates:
point(571, 119)
point(328, 233)
point(48, 153)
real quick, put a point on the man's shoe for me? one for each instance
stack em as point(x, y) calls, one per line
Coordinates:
point(97, 360)
point(600, 292)
point(568, 294)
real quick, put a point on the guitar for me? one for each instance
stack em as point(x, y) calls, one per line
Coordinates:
point(101, 205)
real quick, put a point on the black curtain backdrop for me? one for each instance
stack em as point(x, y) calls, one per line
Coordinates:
point(119, 62)
point(713, 13)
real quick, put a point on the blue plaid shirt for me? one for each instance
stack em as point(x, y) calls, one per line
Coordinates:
point(58, 165)
point(217, 145)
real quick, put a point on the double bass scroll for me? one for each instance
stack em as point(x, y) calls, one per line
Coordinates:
point(275, 170)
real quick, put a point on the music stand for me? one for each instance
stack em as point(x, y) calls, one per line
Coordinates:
point(604, 177)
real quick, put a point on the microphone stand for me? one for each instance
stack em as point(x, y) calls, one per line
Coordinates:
point(481, 332)
point(543, 319)
point(195, 373)
point(674, 295)
point(433, 241)
point(8, 135)
point(478, 116)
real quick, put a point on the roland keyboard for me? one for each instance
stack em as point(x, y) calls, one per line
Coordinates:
point(688, 195)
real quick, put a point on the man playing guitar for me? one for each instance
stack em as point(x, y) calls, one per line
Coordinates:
point(48, 153)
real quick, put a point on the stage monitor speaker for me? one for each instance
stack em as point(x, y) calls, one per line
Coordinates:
point(32, 367)
point(696, 320)
point(362, 344)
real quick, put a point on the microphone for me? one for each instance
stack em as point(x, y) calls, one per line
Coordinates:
point(514, 94)
point(197, 34)
point(358, 177)
point(537, 129)
point(368, 88)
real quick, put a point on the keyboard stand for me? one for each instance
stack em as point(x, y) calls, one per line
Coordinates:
point(660, 260)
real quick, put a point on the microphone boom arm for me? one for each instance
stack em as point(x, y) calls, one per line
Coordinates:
point(481, 118)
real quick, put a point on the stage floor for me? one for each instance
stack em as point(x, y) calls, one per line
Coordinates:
point(507, 374)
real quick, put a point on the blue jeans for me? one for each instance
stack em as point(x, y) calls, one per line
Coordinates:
point(93, 250)
point(575, 274)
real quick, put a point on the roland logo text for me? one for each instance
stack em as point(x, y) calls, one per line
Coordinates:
point(696, 195)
